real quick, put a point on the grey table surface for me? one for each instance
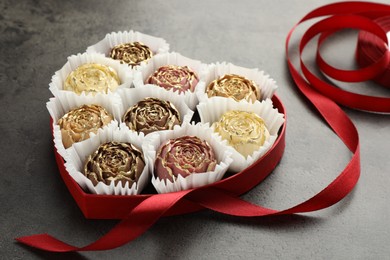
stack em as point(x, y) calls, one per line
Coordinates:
point(37, 37)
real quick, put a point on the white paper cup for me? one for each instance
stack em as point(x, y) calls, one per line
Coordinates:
point(211, 111)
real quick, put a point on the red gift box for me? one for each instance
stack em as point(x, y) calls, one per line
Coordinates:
point(117, 207)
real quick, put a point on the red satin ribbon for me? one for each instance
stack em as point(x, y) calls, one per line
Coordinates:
point(319, 93)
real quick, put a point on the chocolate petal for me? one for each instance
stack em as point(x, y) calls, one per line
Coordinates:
point(161, 171)
point(66, 138)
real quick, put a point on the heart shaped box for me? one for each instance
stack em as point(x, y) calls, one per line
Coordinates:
point(118, 207)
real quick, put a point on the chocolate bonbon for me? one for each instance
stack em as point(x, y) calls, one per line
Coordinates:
point(234, 86)
point(177, 78)
point(77, 124)
point(245, 131)
point(92, 78)
point(115, 162)
point(132, 53)
point(184, 156)
point(152, 114)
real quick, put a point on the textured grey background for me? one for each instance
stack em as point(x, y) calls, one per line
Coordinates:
point(37, 36)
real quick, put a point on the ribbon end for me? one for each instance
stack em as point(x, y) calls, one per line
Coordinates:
point(45, 242)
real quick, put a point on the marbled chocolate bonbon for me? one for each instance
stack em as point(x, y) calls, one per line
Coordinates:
point(152, 114)
point(245, 131)
point(115, 162)
point(177, 78)
point(77, 124)
point(183, 156)
point(132, 53)
point(234, 86)
point(92, 78)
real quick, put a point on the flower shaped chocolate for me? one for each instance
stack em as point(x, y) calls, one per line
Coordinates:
point(92, 78)
point(183, 156)
point(77, 124)
point(152, 114)
point(132, 53)
point(234, 86)
point(245, 131)
point(174, 77)
point(115, 162)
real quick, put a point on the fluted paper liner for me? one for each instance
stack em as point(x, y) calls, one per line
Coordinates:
point(202, 131)
point(143, 72)
point(155, 44)
point(131, 96)
point(212, 110)
point(216, 70)
point(64, 102)
point(77, 155)
point(57, 82)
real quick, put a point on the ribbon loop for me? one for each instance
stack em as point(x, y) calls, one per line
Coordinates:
point(372, 70)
